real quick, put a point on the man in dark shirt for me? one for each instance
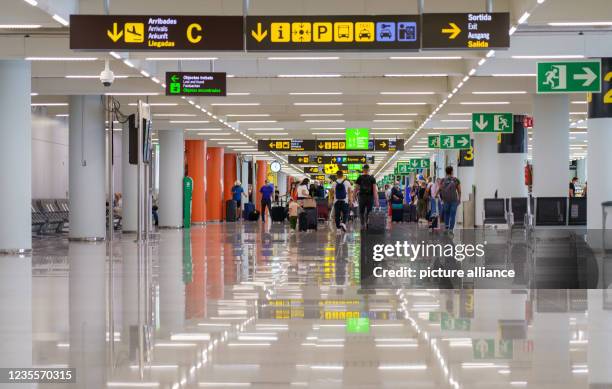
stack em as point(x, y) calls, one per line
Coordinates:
point(367, 193)
point(572, 187)
point(266, 199)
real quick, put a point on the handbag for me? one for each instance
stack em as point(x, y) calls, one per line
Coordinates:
point(309, 203)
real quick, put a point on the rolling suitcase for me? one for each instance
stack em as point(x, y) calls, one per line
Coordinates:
point(230, 211)
point(410, 213)
point(278, 214)
point(322, 209)
point(302, 222)
point(397, 213)
point(254, 216)
point(308, 219)
point(248, 209)
point(377, 221)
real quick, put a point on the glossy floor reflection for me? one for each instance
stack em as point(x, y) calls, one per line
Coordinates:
point(240, 305)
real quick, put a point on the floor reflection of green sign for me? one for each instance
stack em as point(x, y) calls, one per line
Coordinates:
point(483, 348)
point(360, 325)
point(449, 323)
point(357, 138)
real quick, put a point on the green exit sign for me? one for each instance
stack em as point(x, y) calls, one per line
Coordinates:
point(357, 138)
point(433, 141)
point(569, 77)
point(358, 325)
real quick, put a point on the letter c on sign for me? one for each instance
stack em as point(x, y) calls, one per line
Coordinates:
point(190, 35)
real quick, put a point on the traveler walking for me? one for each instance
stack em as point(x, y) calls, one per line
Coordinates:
point(342, 193)
point(450, 193)
point(237, 192)
point(266, 199)
point(367, 192)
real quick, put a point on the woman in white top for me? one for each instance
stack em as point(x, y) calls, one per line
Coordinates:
point(303, 190)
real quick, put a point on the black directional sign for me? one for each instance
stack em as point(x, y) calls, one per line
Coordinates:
point(312, 170)
point(196, 84)
point(156, 32)
point(286, 145)
point(600, 104)
point(328, 159)
point(327, 145)
point(353, 32)
point(389, 144)
point(299, 159)
point(318, 177)
point(478, 31)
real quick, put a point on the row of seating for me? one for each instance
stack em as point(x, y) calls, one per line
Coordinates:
point(49, 215)
point(548, 211)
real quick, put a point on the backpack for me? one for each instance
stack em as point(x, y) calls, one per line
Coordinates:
point(367, 188)
point(448, 191)
point(340, 190)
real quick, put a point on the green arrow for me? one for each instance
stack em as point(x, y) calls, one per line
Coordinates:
point(463, 141)
point(174, 78)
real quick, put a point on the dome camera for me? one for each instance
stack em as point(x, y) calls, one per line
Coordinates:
point(107, 76)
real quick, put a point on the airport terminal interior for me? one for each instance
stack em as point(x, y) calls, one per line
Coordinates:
point(306, 193)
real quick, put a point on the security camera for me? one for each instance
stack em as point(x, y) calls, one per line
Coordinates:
point(107, 76)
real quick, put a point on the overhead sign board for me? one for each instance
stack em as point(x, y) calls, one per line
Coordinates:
point(569, 77)
point(299, 159)
point(403, 168)
point(600, 104)
point(457, 142)
point(466, 30)
point(327, 159)
point(433, 141)
point(492, 122)
point(337, 32)
point(285, 144)
point(357, 138)
point(388, 144)
point(312, 170)
point(196, 84)
point(318, 177)
point(156, 32)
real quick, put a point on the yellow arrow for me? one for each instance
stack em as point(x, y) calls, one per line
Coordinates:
point(259, 35)
point(454, 30)
point(383, 144)
point(114, 35)
point(271, 145)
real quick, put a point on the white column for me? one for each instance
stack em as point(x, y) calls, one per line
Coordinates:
point(599, 163)
point(87, 168)
point(550, 145)
point(511, 175)
point(282, 183)
point(486, 175)
point(551, 363)
point(171, 286)
point(244, 174)
point(87, 287)
point(171, 160)
point(15, 156)
point(129, 175)
point(15, 313)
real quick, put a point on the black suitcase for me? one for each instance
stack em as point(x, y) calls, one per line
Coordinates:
point(410, 213)
point(254, 216)
point(302, 222)
point(278, 214)
point(397, 215)
point(308, 219)
point(230, 211)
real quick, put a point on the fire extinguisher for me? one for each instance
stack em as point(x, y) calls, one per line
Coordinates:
point(528, 174)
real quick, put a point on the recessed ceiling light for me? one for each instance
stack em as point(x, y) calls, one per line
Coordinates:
point(401, 103)
point(456, 120)
point(62, 115)
point(156, 104)
point(256, 121)
point(315, 93)
point(524, 18)
point(579, 102)
point(321, 114)
point(94, 76)
point(19, 26)
point(203, 129)
point(516, 92)
point(303, 58)
point(407, 93)
point(309, 75)
point(393, 120)
point(175, 114)
point(570, 56)
point(579, 24)
point(325, 121)
point(231, 143)
point(271, 133)
point(428, 58)
point(513, 75)
point(484, 103)
point(316, 104)
point(386, 133)
point(62, 59)
point(181, 58)
point(33, 3)
point(238, 93)
point(328, 133)
point(396, 114)
point(247, 115)
point(214, 133)
point(189, 121)
point(416, 75)
point(460, 114)
point(60, 20)
point(327, 128)
point(234, 104)
point(266, 129)
point(49, 104)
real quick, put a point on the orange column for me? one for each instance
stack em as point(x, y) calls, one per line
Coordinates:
point(262, 172)
point(229, 177)
point(195, 159)
point(214, 180)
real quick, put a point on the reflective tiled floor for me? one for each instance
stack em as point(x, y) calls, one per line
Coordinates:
point(241, 305)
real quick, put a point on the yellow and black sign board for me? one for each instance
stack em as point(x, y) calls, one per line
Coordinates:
point(285, 144)
point(299, 159)
point(600, 104)
point(329, 145)
point(312, 170)
point(479, 31)
point(318, 177)
point(389, 144)
point(156, 32)
point(337, 32)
